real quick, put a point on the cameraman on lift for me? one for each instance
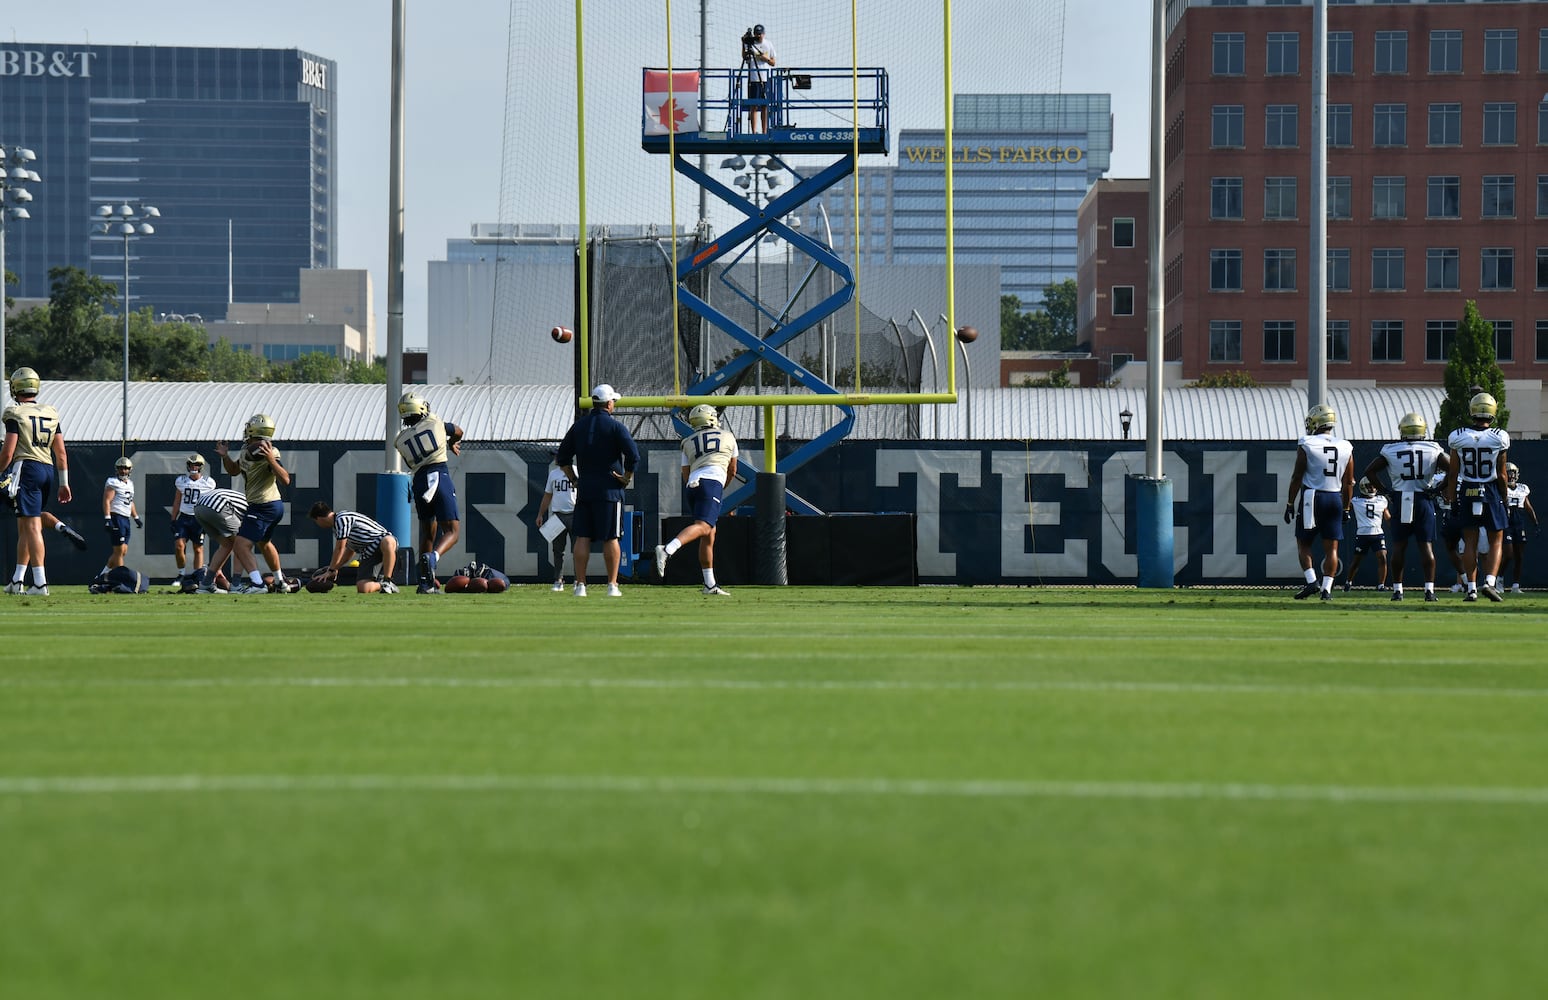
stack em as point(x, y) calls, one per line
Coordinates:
point(756, 54)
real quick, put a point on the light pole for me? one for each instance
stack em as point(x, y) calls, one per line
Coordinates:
point(13, 200)
point(126, 220)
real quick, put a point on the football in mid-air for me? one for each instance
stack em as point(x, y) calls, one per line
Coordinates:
point(457, 585)
point(561, 334)
point(967, 334)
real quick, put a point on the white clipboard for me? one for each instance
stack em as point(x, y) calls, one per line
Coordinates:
point(551, 528)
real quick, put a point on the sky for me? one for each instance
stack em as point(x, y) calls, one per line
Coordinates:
point(456, 77)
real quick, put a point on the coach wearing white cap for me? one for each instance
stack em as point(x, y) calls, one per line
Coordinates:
point(601, 446)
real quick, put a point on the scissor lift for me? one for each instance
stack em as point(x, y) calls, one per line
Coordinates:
point(814, 96)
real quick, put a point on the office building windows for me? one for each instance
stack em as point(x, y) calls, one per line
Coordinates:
point(1499, 196)
point(1225, 198)
point(1391, 52)
point(1279, 198)
point(1504, 340)
point(1338, 340)
point(1542, 269)
point(1340, 126)
point(1499, 269)
point(1338, 269)
point(1499, 50)
point(1123, 233)
point(1387, 269)
point(1445, 51)
point(1442, 269)
point(1340, 199)
point(1389, 197)
point(1542, 123)
point(1443, 198)
point(1123, 300)
point(1499, 123)
point(1279, 270)
point(1391, 124)
point(1278, 340)
point(1279, 125)
point(1542, 50)
point(1340, 53)
point(1227, 127)
point(1284, 53)
point(1542, 196)
point(1440, 335)
point(1225, 270)
point(1446, 124)
point(1542, 341)
point(1229, 53)
point(1225, 341)
point(1387, 340)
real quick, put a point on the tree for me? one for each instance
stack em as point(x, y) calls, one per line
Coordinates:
point(227, 364)
point(1225, 380)
point(1061, 303)
point(73, 337)
point(1059, 379)
point(1470, 365)
point(1051, 327)
point(9, 279)
point(1016, 331)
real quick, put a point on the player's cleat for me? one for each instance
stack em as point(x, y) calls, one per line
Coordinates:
point(426, 574)
point(661, 558)
point(76, 538)
point(1492, 594)
point(1470, 597)
point(388, 587)
point(613, 591)
point(580, 590)
point(558, 587)
point(1430, 598)
point(37, 591)
point(1456, 588)
point(206, 588)
point(15, 587)
point(1382, 586)
point(1347, 585)
point(715, 591)
point(427, 588)
point(1307, 591)
point(1327, 595)
point(1397, 595)
point(1515, 588)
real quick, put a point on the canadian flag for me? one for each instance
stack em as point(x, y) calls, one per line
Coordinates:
point(677, 111)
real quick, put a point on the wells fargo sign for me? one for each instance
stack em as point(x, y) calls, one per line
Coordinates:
point(994, 154)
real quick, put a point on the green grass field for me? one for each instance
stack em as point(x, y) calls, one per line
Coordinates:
point(793, 793)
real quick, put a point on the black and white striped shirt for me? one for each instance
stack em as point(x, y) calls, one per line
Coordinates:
point(224, 502)
point(359, 532)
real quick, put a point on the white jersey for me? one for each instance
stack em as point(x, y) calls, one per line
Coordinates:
point(189, 490)
point(559, 485)
point(1516, 496)
point(1326, 459)
point(1411, 463)
point(709, 453)
point(1479, 451)
point(1368, 512)
point(123, 495)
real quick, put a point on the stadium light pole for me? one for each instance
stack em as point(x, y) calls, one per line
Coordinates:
point(13, 201)
point(126, 221)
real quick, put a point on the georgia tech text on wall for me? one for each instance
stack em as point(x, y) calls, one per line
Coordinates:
point(995, 154)
point(36, 62)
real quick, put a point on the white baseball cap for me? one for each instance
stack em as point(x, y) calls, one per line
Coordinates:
point(604, 393)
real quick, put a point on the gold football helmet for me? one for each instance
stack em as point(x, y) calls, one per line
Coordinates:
point(1412, 427)
point(703, 416)
point(259, 425)
point(1320, 416)
point(1483, 407)
point(25, 382)
point(411, 407)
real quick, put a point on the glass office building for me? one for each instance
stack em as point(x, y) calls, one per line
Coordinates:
point(234, 146)
point(1021, 165)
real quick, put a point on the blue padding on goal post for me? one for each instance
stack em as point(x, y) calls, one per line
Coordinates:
point(393, 509)
point(1153, 531)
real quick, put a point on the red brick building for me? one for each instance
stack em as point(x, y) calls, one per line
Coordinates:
point(1437, 187)
point(1112, 263)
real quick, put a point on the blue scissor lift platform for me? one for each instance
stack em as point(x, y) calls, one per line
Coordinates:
point(811, 112)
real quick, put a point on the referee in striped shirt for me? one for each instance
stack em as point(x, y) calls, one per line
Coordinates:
point(357, 536)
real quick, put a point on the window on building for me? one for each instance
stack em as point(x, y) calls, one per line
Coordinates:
point(1340, 53)
point(1387, 340)
point(1542, 269)
point(1499, 50)
point(1340, 198)
point(1123, 233)
point(1499, 123)
point(1225, 340)
point(1279, 198)
point(1542, 123)
point(1440, 335)
point(1391, 52)
point(1542, 195)
point(1391, 124)
point(1279, 270)
point(1504, 340)
point(1338, 340)
point(1542, 341)
point(1123, 300)
point(1225, 270)
point(1284, 53)
point(1542, 50)
point(1338, 269)
point(1279, 125)
point(1387, 269)
point(1227, 127)
point(1499, 196)
point(1442, 269)
point(1499, 269)
point(1389, 197)
point(1446, 124)
point(1443, 198)
point(1445, 51)
point(1278, 340)
point(1225, 197)
point(1230, 53)
point(1340, 125)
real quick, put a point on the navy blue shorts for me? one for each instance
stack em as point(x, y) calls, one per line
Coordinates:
point(119, 530)
point(188, 527)
point(34, 487)
point(598, 520)
point(1478, 505)
point(705, 500)
point(1515, 534)
point(1328, 514)
point(1370, 543)
point(1422, 527)
point(261, 520)
point(442, 505)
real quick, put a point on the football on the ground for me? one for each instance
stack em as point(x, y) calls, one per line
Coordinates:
point(457, 585)
point(496, 585)
point(478, 585)
point(317, 586)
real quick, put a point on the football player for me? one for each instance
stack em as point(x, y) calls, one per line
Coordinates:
point(357, 537)
point(708, 466)
point(1371, 514)
point(185, 527)
point(1517, 509)
point(34, 457)
point(424, 443)
point(1410, 462)
point(258, 463)
point(1321, 490)
point(1476, 486)
point(219, 512)
point(118, 510)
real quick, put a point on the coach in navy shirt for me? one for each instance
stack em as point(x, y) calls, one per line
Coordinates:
point(599, 456)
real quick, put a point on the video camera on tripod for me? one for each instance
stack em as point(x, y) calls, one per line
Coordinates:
point(750, 39)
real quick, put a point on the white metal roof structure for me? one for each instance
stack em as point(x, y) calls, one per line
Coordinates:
point(193, 411)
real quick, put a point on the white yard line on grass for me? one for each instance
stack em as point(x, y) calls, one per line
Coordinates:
point(827, 787)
